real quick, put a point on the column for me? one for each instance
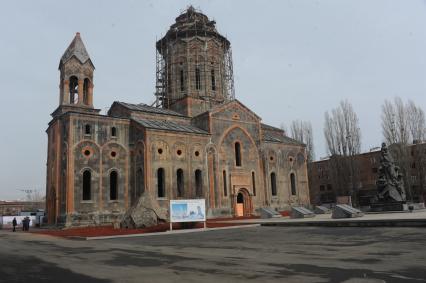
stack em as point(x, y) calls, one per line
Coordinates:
point(65, 92)
point(80, 92)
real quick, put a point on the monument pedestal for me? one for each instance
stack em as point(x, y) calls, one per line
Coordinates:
point(389, 206)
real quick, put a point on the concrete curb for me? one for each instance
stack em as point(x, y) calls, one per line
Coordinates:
point(353, 223)
point(165, 233)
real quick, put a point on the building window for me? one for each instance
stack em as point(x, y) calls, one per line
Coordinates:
point(198, 183)
point(87, 129)
point(253, 181)
point(237, 154)
point(197, 78)
point(180, 182)
point(140, 184)
point(113, 131)
point(322, 188)
point(225, 191)
point(161, 183)
point(182, 81)
point(273, 184)
point(213, 80)
point(293, 184)
point(87, 182)
point(86, 91)
point(113, 184)
point(329, 187)
point(73, 90)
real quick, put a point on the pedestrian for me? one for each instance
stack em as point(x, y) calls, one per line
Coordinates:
point(27, 223)
point(14, 223)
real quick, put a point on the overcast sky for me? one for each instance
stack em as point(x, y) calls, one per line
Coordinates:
point(292, 60)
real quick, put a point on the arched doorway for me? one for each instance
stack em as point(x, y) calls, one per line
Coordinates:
point(243, 205)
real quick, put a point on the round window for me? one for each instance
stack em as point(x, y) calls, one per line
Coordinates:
point(160, 151)
point(87, 152)
point(179, 152)
point(113, 154)
point(197, 153)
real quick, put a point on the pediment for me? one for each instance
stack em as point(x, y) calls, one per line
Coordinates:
point(235, 110)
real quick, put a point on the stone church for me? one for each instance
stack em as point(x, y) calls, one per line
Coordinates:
point(195, 141)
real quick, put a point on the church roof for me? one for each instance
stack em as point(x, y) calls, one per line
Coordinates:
point(149, 109)
point(76, 49)
point(169, 126)
point(280, 139)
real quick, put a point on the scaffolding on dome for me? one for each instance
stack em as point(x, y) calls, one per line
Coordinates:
point(205, 30)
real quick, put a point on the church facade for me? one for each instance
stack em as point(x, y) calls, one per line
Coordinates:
point(197, 141)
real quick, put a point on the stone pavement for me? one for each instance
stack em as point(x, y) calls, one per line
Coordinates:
point(416, 218)
point(255, 254)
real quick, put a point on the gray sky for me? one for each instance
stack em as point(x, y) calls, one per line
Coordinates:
point(292, 60)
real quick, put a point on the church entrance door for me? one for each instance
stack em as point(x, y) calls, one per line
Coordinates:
point(242, 202)
point(240, 205)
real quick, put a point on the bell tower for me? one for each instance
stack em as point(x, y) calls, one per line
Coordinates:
point(194, 65)
point(76, 79)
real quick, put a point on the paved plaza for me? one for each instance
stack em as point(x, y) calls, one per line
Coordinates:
point(256, 254)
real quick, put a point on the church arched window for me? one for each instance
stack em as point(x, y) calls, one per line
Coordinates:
point(293, 184)
point(87, 183)
point(73, 90)
point(198, 183)
point(140, 184)
point(180, 182)
point(161, 191)
point(237, 154)
point(273, 184)
point(113, 185)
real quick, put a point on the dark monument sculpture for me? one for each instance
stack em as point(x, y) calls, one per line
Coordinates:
point(390, 186)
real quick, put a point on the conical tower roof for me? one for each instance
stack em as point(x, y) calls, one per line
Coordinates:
point(76, 49)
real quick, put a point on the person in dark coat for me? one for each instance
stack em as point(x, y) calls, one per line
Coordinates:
point(27, 223)
point(14, 223)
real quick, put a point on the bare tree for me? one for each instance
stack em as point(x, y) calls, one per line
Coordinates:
point(302, 132)
point(416, 121)
point(341, 130)
point(402, 123)
point(343, 138)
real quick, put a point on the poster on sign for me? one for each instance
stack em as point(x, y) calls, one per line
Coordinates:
point(189, 210)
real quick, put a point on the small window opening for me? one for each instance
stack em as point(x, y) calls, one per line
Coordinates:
point(160, 151)
point(87, 129)
point(273, 184)
point(213, 80)
point(87, 182)
point(182, 81)
point(114, 131)
point(113, 154)
point(198, 183)
point(197, 78)
point(197, 153)
point(161, 192)
point(253, 182)
point(180, 183)
point(87, 152)
point(225, 191)
point(179, 152)
point(237, 154)
point(113, 179)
